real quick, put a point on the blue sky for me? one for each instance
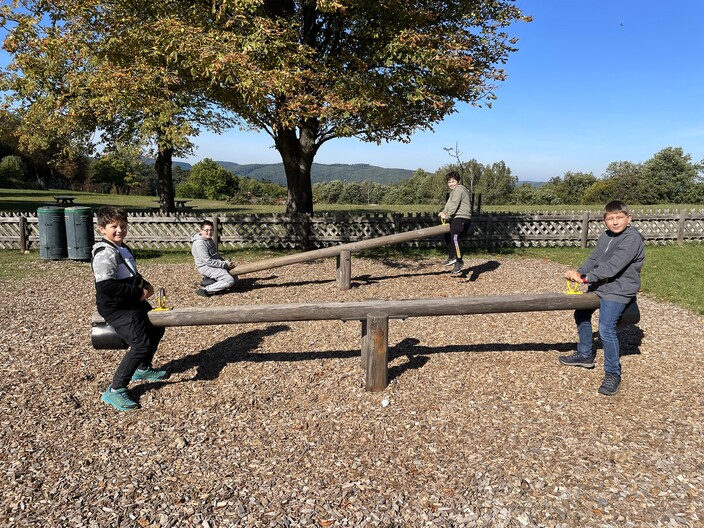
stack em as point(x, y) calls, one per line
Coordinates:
point(593, 82)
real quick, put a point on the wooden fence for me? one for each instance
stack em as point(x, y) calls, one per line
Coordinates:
point(491, 230)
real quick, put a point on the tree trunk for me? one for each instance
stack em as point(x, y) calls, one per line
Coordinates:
point(297, 154)
point(163, 167)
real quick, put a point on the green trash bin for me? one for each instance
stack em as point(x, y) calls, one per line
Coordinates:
point(52, 233)
point(79, 232)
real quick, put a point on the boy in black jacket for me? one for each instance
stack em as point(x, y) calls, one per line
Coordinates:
point(612, 271)
point(121, 295)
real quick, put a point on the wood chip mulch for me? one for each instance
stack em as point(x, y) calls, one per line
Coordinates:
point(269, 425)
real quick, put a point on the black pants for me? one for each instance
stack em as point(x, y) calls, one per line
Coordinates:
point(458, 227)
point(142, 337)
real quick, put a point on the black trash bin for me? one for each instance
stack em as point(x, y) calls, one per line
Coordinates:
point(52, 233)
point(79, 232)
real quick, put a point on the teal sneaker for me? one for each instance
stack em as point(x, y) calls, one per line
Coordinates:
point(149, 374)
point(119, 398)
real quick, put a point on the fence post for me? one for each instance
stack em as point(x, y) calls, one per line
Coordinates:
point(488, 232)
point(216, 230)
point(680, 228)
point(585, 229)
point(23, 234)
point(397, 222)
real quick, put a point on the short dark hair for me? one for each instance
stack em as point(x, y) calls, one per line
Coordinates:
point(109, 214)
point(616, 206)
point(453, 175)
point(206, 223)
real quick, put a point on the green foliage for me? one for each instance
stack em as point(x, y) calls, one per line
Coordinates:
point(570, 188)
point(209, 180)
point(496, 184)
point(12, 171)
point(120, 170)
point(669, 176)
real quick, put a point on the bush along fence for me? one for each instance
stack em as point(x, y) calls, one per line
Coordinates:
point(20, 231)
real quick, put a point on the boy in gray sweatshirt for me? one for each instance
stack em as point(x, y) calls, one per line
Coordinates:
point(209, 263)
point(612, 271)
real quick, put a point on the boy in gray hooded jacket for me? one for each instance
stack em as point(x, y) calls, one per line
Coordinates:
point(209, 262)
point(121, 295)
point(612, 271)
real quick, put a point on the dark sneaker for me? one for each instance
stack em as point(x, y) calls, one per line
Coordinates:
point(610, 383)
point(457, 269)
point(449, 262)
point(149, 374)
point(575, 360)
point(202, 292)
point(119, 398)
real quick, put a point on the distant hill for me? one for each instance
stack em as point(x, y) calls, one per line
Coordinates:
point(359, 172)
point(320, 172)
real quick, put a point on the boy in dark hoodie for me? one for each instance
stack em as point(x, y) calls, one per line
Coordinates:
point(121, 295)
point(612, 271)
point(209, 263)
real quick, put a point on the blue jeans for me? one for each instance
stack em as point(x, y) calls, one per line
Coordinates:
point(609, 314)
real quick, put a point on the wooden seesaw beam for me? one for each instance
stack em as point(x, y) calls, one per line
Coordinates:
point(336, 251)
point(373, 314)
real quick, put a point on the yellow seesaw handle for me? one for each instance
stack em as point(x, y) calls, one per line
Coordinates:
point(161, 301)
point(573, 288)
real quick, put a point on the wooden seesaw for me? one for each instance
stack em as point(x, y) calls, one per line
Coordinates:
point(342, 252)
point(374, 316)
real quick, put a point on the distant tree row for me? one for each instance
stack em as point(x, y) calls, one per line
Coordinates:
point(670, 176)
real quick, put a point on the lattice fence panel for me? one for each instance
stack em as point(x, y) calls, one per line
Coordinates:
point(416, 221)
point(10, 231)
point(553, 230)
point(261, 231)
point(332, 230)
point(694, 228)
point(658, 230)
point(171, 232)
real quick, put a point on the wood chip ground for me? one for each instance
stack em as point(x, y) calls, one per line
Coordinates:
point(269, 425)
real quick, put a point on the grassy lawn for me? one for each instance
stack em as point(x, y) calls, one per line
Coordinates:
point(17, 200)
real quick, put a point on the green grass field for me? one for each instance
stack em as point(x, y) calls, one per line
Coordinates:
point(15, 200)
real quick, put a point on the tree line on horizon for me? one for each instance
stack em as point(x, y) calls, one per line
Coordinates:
point(670, 176)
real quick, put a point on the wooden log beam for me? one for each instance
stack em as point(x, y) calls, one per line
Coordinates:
point(333, 251)
point(358, 310)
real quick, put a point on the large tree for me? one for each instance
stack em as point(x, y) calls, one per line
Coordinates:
point(496, 184)
point(670, 176)
point(77, 71)
point(308, 71)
